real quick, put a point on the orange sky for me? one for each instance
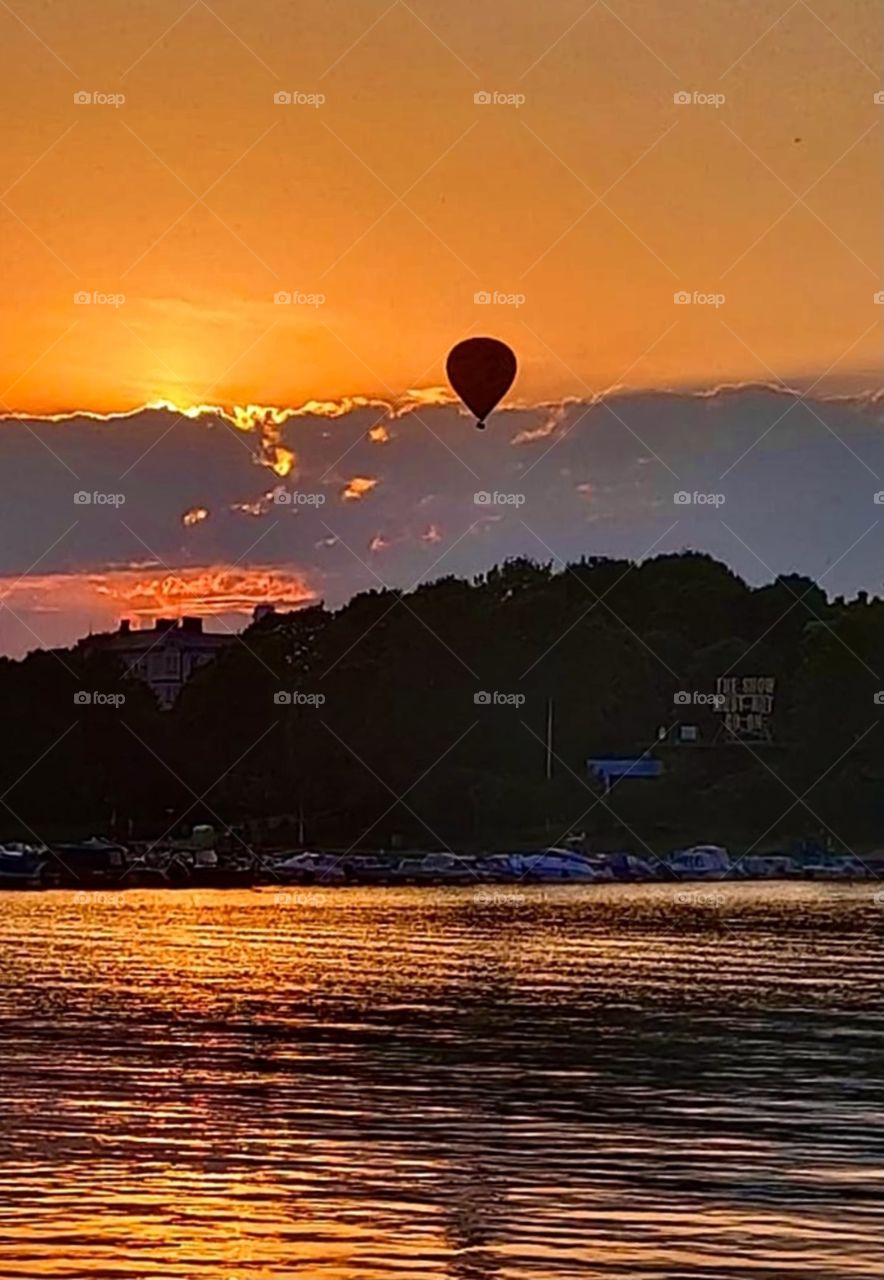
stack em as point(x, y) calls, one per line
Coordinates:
point(399, 198)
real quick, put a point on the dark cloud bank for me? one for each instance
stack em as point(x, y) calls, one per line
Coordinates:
point(789, 484)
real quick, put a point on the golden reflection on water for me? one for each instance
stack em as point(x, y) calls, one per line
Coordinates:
point(383, 1083)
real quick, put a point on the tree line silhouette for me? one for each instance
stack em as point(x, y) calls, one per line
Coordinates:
point(383, 740)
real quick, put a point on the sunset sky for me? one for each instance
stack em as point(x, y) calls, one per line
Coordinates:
point(583, 197)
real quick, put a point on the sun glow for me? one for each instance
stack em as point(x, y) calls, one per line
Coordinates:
point(265, 421)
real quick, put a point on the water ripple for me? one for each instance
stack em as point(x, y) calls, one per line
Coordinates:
point(351, 1083)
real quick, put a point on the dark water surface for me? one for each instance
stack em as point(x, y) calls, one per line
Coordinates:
point(611, 1082)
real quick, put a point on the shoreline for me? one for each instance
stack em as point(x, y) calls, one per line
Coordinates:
point(100, 864)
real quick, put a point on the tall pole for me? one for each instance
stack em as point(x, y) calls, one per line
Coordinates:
point(548, 753)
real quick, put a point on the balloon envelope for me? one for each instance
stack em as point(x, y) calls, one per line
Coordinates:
point(481, 370)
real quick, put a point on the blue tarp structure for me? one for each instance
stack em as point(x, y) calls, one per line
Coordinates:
point(610, 768)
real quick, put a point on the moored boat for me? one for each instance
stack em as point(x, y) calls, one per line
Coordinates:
point(21, 866)
point(837, 867)
point(765, 866)
point(545, 866)
point(629, 868)
point(91, 863)
point(310, 868)
point(699, 862)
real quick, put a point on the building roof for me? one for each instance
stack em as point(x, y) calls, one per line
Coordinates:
point(184, 634)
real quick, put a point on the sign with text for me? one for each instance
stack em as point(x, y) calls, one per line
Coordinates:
point(746, 704)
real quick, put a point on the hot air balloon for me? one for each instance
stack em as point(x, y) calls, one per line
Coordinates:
point(481, 371)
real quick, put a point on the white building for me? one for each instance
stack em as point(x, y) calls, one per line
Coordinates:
point(164, 656)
